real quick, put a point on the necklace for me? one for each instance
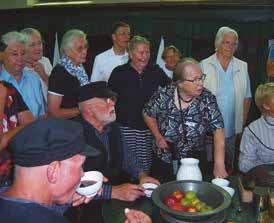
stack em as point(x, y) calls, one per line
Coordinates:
point(180, 97)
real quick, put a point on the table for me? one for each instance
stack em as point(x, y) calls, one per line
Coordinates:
point(113, 210)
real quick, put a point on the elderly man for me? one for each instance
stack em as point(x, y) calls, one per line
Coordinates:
point(25, 81)
point(14, 115)
point(227, 78)
point(48, 158)
point(105, 62)
point(171, 55)
point(101, 131)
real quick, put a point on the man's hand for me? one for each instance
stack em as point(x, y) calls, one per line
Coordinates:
point(134, 216)
point(127, 192)
point(143, 178)
point(78, 199)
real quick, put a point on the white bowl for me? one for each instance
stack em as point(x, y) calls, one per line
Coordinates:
point(230, 190)
point(149, 188)
point(93, 180)
point(220, 182)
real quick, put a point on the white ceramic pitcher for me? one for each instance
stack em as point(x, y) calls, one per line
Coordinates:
point(189, 170)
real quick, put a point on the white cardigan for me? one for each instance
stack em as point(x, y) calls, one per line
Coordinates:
point(240, 81)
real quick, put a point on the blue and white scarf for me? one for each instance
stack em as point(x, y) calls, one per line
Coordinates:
point(77, 71)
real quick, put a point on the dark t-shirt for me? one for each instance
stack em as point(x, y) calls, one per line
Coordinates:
point(18, 211)
point(63, 83)
point(134, 90)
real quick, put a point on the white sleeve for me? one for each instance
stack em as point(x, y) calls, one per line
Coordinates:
point(96, 74)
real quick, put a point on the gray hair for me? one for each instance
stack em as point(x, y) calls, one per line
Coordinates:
point(69, 36)
point(12, 37)
point(137, 40)
point(27, 32)
point(221, 33)
point(180, 69)
point(174, 50)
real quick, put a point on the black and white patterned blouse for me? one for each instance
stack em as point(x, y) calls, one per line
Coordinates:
point(187, 129)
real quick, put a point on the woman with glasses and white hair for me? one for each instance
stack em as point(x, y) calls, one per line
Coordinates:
point(68, 76)
point(257, 145)
point(228, 79)
point(180, 116)
point(34, 57)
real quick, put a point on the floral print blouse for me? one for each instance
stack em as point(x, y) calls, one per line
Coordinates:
point(187, 128)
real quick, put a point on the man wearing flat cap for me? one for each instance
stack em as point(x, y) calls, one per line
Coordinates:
point(97, 107)
point(48, 155)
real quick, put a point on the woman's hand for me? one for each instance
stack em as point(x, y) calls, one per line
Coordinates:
point(219, 170)
point(161, 142)
point(134, 216)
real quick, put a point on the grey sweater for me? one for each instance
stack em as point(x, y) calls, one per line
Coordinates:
point(257, 145)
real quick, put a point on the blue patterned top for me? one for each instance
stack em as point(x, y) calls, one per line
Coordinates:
point(187, 128)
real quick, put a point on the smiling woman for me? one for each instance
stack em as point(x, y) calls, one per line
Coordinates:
point(142, 80)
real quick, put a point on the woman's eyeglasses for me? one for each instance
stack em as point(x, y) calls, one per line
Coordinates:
point(197, 80)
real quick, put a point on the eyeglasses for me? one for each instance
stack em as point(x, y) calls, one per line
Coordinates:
point(197, 80)
point(229, 44)
point(123, 33)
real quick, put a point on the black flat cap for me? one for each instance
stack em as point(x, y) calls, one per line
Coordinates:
point(47, 140)
point(96, 89)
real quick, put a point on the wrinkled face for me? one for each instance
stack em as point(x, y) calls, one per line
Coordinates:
point(140, 56)
point(34, 47)
point(121, 37)
point(171, 59)
point(192, 84)
point(69, 177)
point(14, 58)
point(103, 110)
point(77, 52)
point(228, 46)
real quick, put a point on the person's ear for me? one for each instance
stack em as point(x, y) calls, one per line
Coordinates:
point(113, 36)
point(67, 51)
point(53, 171)
point(265, 106)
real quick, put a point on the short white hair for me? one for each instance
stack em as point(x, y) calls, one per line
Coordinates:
point(221, 33)
point(69, 36)
point(27, 32)
point(13, 37)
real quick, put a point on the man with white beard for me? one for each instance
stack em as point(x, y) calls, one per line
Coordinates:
point(97, 107)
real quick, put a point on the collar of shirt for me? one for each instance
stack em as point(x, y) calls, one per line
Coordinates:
point(112, 53)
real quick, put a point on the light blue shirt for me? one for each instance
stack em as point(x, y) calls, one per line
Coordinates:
point(226, 98)
point(30, 88)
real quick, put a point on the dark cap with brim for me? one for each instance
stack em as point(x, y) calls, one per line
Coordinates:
point(96, 89)
point(48, 140)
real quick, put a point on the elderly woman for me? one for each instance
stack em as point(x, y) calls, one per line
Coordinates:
point(25, 81)
point(181, 114)
point(257, 145)
point(34, 57)
point(171, 55)
point(68, 76)
point(135, 82)
point(227, 78)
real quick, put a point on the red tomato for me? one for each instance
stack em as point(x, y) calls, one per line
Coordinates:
point(191, 209)
point(169, 201)
point(178, 195)
point(178, 207)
